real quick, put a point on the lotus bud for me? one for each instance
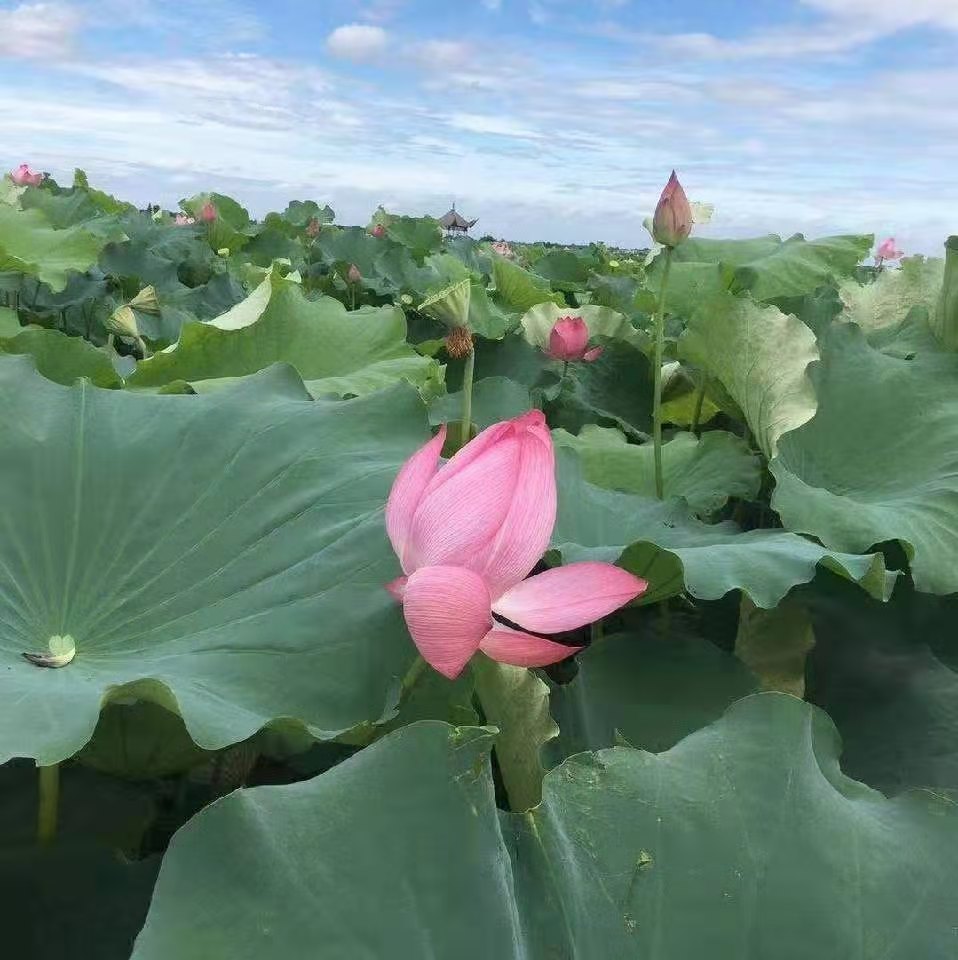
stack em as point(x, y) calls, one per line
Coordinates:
point(569, 341)
point(379, 231)
point(353, 275)
point(208, 212)
point(312, 228)
point(23, 176)
point(672, 222)
point(888, 251)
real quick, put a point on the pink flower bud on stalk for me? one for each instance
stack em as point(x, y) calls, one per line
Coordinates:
point(379, 231)
point(467, 534)
point(312, 228)
point(208, 212)
point(672, 222)
point(353, 275)
point(569, 341)
point(23, 176)
point(887, 251)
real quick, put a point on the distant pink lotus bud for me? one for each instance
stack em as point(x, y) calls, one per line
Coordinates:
point(208, 212)
point(379, 231)
point(182, 220)
point(467, 534)
point(312, 228)
point(569, 341)
point(23, 176)
point(353, 275)
point(503, 249)
point(888, 251)
point(672, 222)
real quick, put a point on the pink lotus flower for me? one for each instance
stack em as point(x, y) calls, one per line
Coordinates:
point(888, 251)
point(379, 231)
point(569, 341)
point(182, 220)
point(672, 222)
point(23, 176)
point(503, 249)
point(208, 212)
point(353, 274)
point(467, 533)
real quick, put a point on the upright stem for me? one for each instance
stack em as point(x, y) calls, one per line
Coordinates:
point(467, 396)
point(699, 402)
point(412, 675)
point(657, 373)
point(48, 804)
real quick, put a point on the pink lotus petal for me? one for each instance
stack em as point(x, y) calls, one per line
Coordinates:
point(465, 503)
point(447, 612)
point(397, 587)
point(592, 354)
point(523, 649)
point(566, 598)
point(523, 536)
point(568, 339)
point(408, 489)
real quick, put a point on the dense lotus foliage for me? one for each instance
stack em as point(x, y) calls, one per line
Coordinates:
point(369, 592)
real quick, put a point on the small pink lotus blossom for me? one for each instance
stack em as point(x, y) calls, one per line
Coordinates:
point(569, 341)
point(503, 249)
point(208, 212)
point(182, 220)
point(379, 231)
point(312, 228)
point(888, 251)
point(353, 275)
point(469, 532)
point(672, 222)
point(23, 176)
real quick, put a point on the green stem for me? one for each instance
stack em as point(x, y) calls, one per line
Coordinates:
point(467, 396)
point(657, 372)
point(48, 804)
point(412, 675)
point(352, 296)
point(699, 402)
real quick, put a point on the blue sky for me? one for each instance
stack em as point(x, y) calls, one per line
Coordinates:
point(547, 119)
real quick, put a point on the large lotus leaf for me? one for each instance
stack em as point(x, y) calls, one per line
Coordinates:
point(880, 459)
point(888, 675)
point(705, 470)
point(646, 690)
point(602, 322)
point(344, 246)
point(566, 269)
point(518, 289)
point(769, 268)
point(760, 356)
point(744, 838)
point(30, 245)
point(298, 213)
point(277, 323)
point(221, 555)
point(945, 317)
point(61, 358)
point(493, 399)
point(659, 541)
point(419, 235)
point(894, 293)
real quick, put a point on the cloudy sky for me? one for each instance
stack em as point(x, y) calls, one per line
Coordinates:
point(547, 119)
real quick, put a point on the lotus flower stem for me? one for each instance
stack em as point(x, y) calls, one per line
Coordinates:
point(657, 373)
point(467, 377)
point(412, 676)
point(48, 803)
point(699, 402)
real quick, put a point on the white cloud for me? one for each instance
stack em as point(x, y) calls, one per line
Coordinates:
point(892, 14)
point(38, 30)
point(357, 41)
point(496, 125)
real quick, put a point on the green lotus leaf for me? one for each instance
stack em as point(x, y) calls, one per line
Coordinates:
point(659, 541)
point(705, 470)
point(894, 293)
point(945, 318)
point(879, 461)
point(61, 358)
point(223, 555)
point(748, 825)
point(336, 350)
point(760, 356)
point(30, 245)
point(518, 289)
